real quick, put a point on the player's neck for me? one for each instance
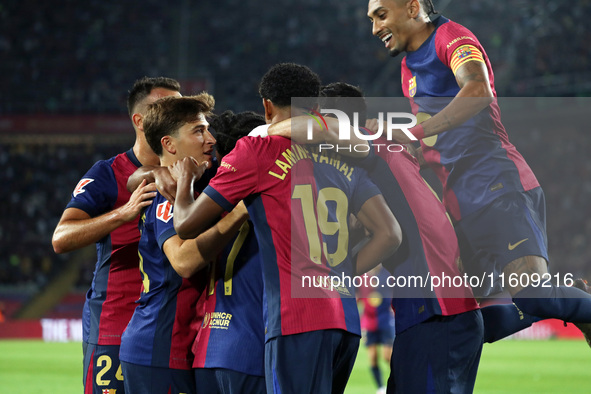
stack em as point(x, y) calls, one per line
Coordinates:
point(281, 114)
point(420, 36)
point(145, 154)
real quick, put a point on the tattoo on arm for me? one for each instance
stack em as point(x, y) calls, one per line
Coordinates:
point(471, 71)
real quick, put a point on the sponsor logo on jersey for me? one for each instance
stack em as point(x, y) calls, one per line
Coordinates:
point(228, 166)
point(80, 186)
point(459, 39)
point(516, 244)
point(164, 211)
point(219, 320)
point(412, 86)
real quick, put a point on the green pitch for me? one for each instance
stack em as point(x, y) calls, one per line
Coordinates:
point(506, 367)
point(514, 367)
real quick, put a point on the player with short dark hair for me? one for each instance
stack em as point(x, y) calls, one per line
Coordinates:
point(229, 349)
point(312, 334)
point(429, 322)
point(102, 211)
point(156, 346)
point(492, 195)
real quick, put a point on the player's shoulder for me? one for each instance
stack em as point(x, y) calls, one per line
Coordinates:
point(104, 164)
point(450, 34)
point(101, 171)
point(449, 26)
point(124, 164)
point(262, 144)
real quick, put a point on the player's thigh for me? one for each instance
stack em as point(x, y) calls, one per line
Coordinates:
point(205, 381)
point(509, 228)
point(226, 381)
point(524, 271)
point(140, 379)
point(310, 362)
point(344, 359)
point(102, 369)
point(440, 355)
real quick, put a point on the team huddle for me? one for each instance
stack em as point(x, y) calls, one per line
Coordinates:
point(204, 237)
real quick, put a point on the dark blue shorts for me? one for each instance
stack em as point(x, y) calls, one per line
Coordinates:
point(381, 336)
point(510, 227)
point(102, 369)
point(440, 355)
point(226, 381)
point(311, 362)
point(140, 379)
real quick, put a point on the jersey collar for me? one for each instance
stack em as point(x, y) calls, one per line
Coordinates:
point(132, 157)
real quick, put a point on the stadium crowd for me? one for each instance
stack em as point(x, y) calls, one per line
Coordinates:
point(66, 56)
point(40, 180)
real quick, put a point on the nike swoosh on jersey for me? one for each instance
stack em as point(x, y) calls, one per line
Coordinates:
point(513, 246)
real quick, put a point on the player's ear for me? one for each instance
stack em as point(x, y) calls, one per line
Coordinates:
point(138, 121)
point(168, 144)
point(413, 9)
point(269, 109)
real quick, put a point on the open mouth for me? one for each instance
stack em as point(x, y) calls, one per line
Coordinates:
point(386, 39)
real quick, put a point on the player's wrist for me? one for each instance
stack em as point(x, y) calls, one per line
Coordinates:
point(418, 131)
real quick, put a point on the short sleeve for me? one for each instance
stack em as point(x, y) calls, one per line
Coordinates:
point(162, 219)
point(237, 176)
point(456, 45)
point(96, 192)
point(364, 190)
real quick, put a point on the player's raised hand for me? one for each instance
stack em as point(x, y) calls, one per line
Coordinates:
point(372, 124)
point(140, 198)
point(165, 183)
point(188, 168)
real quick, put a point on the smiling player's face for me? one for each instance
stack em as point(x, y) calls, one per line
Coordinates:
point(195, 140)
point(390, 23)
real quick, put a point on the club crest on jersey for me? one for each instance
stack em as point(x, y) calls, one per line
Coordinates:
point(164, 211)
point(463, 51)
point(109, 391)
point(412, 86)
point(80, 186)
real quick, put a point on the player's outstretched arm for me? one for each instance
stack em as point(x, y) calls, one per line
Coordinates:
point(386, 234)
point(475, 94)
point(77, 229)
point(296, 128)
point(161, 176)
point(192, 216)
point(189, 256)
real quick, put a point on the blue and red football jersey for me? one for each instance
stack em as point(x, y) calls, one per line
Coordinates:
point(475, 162)
point(232, 335)
point(169, 311)
point(117, 282)
point(429, 248)
point(283, 211)
point(377, 304)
